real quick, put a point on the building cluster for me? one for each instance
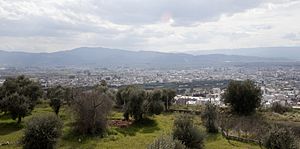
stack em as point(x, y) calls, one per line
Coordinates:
point(280, 83)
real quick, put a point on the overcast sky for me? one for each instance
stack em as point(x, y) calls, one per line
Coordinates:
point(160, 25)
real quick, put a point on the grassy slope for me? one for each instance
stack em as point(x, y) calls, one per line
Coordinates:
point(136, 136)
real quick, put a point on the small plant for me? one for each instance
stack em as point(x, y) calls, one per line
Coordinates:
point(279, 108)
point(210, 118)
point(42, 132)
point(280, 138)
point(185, 131)
point(166, 142)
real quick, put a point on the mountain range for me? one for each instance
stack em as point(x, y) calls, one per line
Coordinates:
point(105, 57)
point(268, 52)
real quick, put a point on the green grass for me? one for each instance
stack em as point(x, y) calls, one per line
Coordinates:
point(218, 142)
point(136, 136)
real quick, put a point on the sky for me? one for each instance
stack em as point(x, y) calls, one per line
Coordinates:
point(156, 25)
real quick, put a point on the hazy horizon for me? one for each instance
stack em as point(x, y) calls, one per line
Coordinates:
point(164, 26)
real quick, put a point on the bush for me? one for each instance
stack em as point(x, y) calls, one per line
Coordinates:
point(166, 142)
point(42, 132)
point(185, 131)
point(279, 108)
point(210, 118)
point(280, 138)
point(243, 97)
point(91, 110)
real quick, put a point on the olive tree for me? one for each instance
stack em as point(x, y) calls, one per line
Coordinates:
point(210, 118)
point(243, 97)
point(91, 110)
point(135, 101)
point(56, 96)
point(185, 130)
point(19, 96)
point(154, 103)
point(168, 97)
point(280, 138)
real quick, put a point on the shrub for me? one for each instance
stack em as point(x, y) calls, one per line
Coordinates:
point(279, 108)
point(91, 110)
point(243, 97)
point(42, 132)
point(166, 142)
point(280, 138)
point(210, 118)
point(185, 131)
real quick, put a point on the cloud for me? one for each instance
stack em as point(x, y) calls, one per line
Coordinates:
point(166, 25)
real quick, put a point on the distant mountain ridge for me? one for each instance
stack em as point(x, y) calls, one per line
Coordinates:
point(269, 52)
point(98, 56)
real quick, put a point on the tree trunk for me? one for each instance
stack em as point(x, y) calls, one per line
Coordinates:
point(19, 120)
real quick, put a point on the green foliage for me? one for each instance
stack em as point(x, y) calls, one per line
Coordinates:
point(279, 108)
point(18, 96)
point(210, 118)
point(56, 96)
point(243, 97)
point(154, 103)
point(91, 110)
point(166, 142)
point(137, 102)
point(280, 138)
point(18, 106)
point(123, 95)
point(185, 131)
point(168, 97)
point(42, 132)
point(55, 104)
point(134, 107)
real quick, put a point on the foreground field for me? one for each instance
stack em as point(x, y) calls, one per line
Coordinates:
point(136, 136)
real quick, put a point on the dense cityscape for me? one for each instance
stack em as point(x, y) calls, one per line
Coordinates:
point(279, 83)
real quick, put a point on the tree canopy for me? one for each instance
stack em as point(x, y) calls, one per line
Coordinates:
point(18, 96)
point(243, 96)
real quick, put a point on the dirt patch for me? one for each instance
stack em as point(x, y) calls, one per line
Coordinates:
point(120, 123)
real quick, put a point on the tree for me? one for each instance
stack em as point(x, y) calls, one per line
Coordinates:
point(123, 94)
point(56, 96)
point(168, 97)
point(154, 103)
point(210, 118)
point(184, 130)
point(19, 96)
point(18, 106)
point(91, 110)
point(42, 132)
point(243, 96)
point(280, 138)
point(135, 100)
point(3, 102)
